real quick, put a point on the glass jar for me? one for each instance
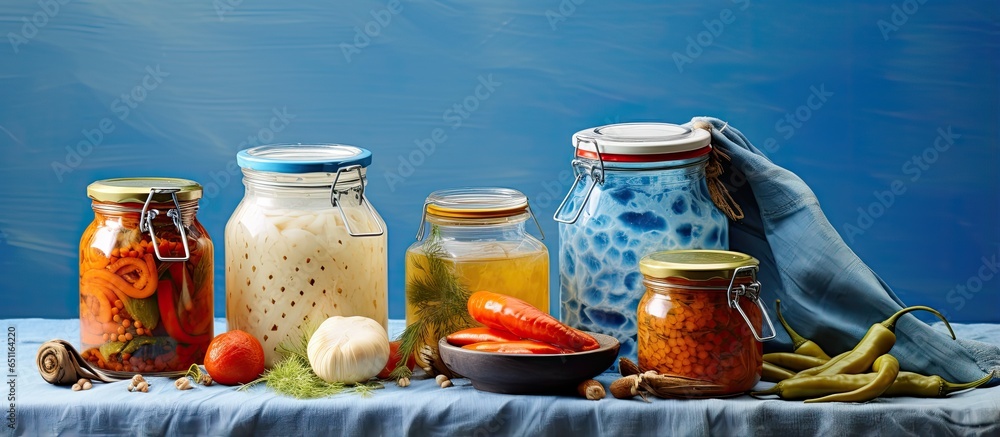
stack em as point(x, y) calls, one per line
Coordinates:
point(479, 235)
point(146, 277)
point(700, 318)
point(640, 188)
point(304, 244)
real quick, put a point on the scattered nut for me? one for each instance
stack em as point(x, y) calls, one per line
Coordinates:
point(205, 379)
point(142, 386)
point(446, 384)
point(82, 380)
point(184, 383)
point(137, 379)
point(440, 378)
point(87, 385)
point(76, 387)
point(591, 389)
point(403, 382)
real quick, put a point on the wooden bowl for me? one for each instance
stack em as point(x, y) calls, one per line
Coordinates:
point(529, 374)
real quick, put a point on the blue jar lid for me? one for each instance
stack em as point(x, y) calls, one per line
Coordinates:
point(303, 158)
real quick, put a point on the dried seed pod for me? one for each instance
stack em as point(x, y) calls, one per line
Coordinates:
point(591, 389)
point(626, 367)
point(676, 386)
point(76, 387)
point(403, 382)
point(627, 387)
point(183, 383)
point(87, 385)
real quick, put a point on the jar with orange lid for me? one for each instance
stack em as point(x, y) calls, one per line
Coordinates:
point(701, 317)
point(146, 277)
point(478, 240)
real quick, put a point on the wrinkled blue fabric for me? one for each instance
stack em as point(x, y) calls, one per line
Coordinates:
point(827, 293)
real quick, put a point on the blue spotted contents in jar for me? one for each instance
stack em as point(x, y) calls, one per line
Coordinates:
point(640, 208)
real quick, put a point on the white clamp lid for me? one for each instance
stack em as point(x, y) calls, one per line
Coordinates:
point(641, 139)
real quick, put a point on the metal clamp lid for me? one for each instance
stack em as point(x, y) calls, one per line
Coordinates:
point(360, 195)
point(582, 168)
point(752, 291)
point(147, 215)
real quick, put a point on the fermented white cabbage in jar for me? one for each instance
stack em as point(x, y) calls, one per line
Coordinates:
point(291, 260)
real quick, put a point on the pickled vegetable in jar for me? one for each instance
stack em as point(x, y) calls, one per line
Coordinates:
point(146, 277)
point(640, 188)
point(478, 235)
point(701, 317)
point(304, 244)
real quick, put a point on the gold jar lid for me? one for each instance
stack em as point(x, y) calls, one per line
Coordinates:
point(476, 203)
point(137, 190)
point(695, 264)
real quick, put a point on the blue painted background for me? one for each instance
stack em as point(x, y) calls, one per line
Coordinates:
point(179, 87)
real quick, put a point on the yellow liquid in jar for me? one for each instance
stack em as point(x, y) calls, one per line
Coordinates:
point(522, 275)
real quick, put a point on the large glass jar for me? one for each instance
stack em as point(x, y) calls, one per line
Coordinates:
point(478, 235)
point(304, 244)
point(146, 275)
point(701, 317)
point(640, 188)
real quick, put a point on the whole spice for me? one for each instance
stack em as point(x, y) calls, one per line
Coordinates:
point(591, 389)
point(518, 317)
point(183, 383)
point(627, 387)
point(886, 368)
point(800, 344)
point(348, 349)
point(876, 342)
point(403, 382)
point(442, 381)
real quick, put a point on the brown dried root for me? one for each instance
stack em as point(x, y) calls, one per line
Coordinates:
point(591, 389)
point(666, 386)
point(627, 387)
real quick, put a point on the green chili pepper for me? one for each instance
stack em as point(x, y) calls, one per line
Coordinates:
point(774, 373)
point(886, 368)
point(800, 344)
point(906, 384)
point(793, 361)
point(876, 342)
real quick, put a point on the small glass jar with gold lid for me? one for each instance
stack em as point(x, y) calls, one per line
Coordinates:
point(146, 277)
point(701, 317)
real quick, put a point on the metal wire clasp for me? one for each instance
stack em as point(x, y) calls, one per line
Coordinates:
point(752, 291)
point(359, 194)
point(581, 168)
point(146, 222)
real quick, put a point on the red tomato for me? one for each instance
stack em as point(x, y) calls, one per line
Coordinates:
point(394, 357)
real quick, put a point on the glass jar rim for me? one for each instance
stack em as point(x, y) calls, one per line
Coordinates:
point(476, 203)
point(641, 142)
point(137, 190)
point(695, 264)
point(303, 158)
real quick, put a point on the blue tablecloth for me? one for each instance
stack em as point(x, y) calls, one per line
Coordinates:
point(425, 409)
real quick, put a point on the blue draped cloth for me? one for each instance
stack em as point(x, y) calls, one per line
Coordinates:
point(827, 293)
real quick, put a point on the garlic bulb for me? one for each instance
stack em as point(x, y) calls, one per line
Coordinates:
point(348, 349)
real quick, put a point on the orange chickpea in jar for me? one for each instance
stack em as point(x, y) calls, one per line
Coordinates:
point(146, 277)
point(686, 325)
